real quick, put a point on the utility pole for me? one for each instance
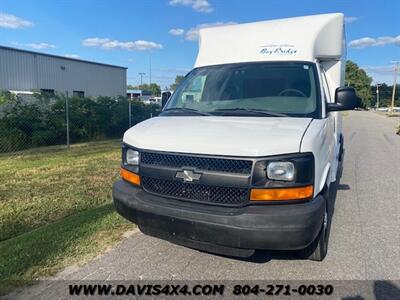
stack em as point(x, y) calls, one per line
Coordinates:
point(67, 116)
point(130, 112)
point(150, 67)
point(396, 70)
point(377, 95)
point(141, 74)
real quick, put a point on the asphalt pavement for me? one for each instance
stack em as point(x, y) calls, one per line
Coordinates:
point(364, 239)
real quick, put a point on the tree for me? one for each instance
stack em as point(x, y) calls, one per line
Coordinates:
point(7, 97)
point(154, 88)
point(41, 120)
point(178, 80)
point(360, 81)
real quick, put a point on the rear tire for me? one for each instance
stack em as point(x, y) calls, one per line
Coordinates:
point(318, 249)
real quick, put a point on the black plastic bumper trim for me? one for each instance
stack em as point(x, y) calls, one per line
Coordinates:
point(280, 227)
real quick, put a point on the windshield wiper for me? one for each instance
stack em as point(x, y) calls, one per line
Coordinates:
point(190, 110)
point(249, 110)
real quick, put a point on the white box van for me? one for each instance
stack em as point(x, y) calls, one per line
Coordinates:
point(245, 150)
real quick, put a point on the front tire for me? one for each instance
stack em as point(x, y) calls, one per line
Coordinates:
point(318, 249)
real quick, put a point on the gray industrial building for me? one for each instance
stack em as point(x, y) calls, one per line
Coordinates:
point(24, 71)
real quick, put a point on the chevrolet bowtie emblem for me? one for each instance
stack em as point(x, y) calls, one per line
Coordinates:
point(188, 175)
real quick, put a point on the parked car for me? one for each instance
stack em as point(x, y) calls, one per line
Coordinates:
point(245, 150)
point(383, 109)
point(154, 100)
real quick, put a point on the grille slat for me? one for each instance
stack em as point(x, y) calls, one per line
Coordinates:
point(200, 163)
point(229, 196)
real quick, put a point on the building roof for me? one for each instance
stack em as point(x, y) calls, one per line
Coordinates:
point(309, 38)
point(62, 57)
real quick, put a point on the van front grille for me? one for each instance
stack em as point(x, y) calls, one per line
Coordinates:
point(228, 196)
point(226, 165)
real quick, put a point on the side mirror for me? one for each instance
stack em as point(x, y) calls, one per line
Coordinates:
point(164, 98)
point(345, 99)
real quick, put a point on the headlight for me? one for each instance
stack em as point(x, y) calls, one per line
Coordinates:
point(281, 170)
point(132, 157)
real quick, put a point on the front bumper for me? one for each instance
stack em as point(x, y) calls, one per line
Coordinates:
point(220, 229)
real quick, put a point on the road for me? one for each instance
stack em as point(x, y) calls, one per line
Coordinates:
point(364, 240)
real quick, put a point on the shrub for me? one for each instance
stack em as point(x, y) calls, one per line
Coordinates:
point(12, 139)
point(44, 138)
point(42, 120)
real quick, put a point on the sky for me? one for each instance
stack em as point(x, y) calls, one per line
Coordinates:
point(161, 35)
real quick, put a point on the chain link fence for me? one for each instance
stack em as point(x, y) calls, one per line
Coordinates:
point(43, 120)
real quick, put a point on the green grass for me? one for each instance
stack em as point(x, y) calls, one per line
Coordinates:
point(55, 208)
point(39, 187)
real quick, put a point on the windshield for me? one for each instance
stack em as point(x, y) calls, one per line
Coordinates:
point(259, 89)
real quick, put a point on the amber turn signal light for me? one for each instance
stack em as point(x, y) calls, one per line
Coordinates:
point(129, 176)
point(297, 193)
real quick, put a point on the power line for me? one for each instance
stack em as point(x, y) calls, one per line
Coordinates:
point(141, 74)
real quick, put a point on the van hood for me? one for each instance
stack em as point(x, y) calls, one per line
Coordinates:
point(231, 136)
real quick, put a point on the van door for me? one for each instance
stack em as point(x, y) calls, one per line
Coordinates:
point(332, 128)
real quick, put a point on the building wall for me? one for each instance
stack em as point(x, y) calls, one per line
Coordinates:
point(26, 71)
